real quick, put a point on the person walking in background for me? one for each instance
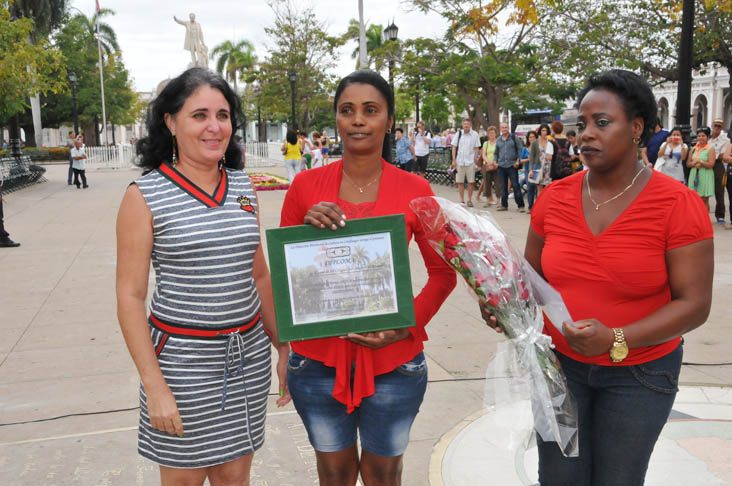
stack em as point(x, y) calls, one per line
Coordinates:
point(465, 150)
point(203, 351)
point(71, 142)
point(368, 386)
point(325, 146)
point(650, 151)
point(508, 151)
point(719, 141)
point(306, 148)
point(546, 154)
point(577, 164)
point(701, 163)
point(672, 154)
point(631, 252)
point(531, 158)
point(293, 156)
point(317, 154)
point(79, 157)
point(404, 151)
point(421, 141)
point(727, 159)
point(563, 152)
point(491, 184)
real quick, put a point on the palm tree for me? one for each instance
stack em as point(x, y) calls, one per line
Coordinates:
point(374, 42)
point(107, 36)
point(234, 58)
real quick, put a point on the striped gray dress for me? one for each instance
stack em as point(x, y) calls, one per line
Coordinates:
point(204, 319)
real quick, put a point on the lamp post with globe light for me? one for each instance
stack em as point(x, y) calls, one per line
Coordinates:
point(390, 34)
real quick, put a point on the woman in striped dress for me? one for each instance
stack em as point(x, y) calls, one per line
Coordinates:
point(203, 351)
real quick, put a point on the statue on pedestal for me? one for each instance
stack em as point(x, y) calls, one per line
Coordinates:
point(194, 42)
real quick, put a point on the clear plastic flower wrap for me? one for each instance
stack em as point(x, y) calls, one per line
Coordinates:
point(525, 369)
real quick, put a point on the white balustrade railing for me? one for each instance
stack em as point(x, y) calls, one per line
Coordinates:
point(121, 156)
point(263, 154)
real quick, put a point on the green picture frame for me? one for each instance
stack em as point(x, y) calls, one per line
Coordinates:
point(355, 279)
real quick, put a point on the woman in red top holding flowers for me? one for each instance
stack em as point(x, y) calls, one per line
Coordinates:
point(631, 252)
point(373, 382)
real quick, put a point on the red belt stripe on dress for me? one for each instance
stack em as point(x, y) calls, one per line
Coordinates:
point(201, 333)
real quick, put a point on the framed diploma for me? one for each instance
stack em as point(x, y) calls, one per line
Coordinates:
point(331, 283)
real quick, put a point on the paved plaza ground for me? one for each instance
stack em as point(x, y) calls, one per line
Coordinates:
point(69, 390)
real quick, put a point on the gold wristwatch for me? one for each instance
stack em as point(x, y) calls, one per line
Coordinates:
point(619, 350)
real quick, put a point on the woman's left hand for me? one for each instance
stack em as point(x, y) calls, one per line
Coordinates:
point(284, 393)
point(589, 337)
point(377, 339)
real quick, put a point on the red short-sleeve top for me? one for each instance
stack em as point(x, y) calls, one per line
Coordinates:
point(397, 189)
point(620, 275)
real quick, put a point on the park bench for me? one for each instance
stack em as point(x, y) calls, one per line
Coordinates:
point(19, 172)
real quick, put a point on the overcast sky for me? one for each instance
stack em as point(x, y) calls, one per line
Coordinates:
point(152, 43)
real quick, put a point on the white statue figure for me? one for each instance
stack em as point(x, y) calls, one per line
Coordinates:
point(194, 42)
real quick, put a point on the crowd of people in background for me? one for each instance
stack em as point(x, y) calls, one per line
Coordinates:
point(304, 152)
point(513, 167)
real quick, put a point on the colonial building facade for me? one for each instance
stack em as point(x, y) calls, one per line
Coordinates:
point(710, 99)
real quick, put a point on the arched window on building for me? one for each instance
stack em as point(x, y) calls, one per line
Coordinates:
point(699, 114)
point(727, 113)
point(663, 113)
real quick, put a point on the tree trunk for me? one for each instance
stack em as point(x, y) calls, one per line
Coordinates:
point(493, 96)
point(14, 135)
point(37, 126)
point(30, 134)
point(114, 139)
point(90, 135)
point(97, 138)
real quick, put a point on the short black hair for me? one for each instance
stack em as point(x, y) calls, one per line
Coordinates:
point(634, 92)
point(543, 125)
point(706, 130)
point(366, 76)
point(291, 136)
point(399, 129)
point(157, 146)
point(571, 133)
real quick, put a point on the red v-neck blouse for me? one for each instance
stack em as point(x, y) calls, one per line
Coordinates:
point(397, 188)
point(620, 275)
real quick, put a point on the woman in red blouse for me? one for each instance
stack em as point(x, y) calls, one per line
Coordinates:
point(373, 382)
point(631, 252)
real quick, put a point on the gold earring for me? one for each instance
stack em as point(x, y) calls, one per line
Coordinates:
point(174, 160)
point(388, 130)
point(636, 140)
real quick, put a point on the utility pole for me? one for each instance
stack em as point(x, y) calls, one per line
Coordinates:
point(686, 60)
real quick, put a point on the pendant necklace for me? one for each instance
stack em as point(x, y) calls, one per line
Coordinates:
point(597, 204)
point(361, 189)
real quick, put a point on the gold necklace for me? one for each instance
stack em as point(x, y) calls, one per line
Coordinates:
point(597, 205)
point(360, 189)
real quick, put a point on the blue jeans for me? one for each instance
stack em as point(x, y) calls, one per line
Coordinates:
point(383, 420)
point(622, 410)
point(504, 174)
point(531, 194)
point(71, 169)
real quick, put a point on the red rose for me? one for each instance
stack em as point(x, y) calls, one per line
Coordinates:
point(493, 300)
point(451, 240)
point(450, 254)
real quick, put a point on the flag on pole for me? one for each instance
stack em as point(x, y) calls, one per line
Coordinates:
point(98, 7)
point(96, 19)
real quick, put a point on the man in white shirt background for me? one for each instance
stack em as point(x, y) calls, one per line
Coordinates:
point(421, 140)
point(465, 149)
point(79, 156)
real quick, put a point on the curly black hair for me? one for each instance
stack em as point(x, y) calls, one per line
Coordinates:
point(634, 92)
point(366, 76)
point(157, 146)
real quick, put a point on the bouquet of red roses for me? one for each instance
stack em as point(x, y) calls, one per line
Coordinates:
point(501, 278)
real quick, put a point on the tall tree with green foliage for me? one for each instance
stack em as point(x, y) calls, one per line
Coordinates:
point(300, 44)
point(17, 54)
point(107, 35)
point(479, 63)
point(643, 36)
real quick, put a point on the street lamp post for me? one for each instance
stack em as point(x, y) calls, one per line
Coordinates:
point(390, 33)
point(72, 80)
point(292, 76)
